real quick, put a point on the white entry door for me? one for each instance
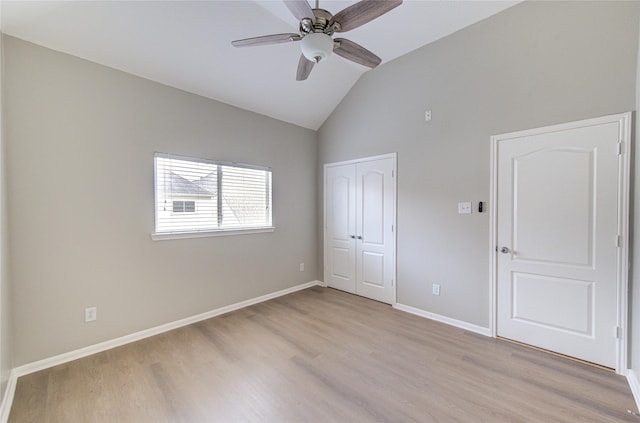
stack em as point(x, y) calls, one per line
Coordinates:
point(359, 231)
point(558, 237)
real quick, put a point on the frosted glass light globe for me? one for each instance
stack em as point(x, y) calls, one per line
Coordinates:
point(316, 46)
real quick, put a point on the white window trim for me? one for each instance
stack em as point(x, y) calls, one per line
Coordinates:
point(162, 236)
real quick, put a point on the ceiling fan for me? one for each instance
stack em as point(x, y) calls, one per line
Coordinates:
point(318, 25)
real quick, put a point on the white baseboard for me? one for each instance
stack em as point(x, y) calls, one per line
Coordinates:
point(26, 369)
point(634, 384)
point(7, 400)
point(444, 319)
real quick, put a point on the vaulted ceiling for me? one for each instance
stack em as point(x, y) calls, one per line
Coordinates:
point(187, 45)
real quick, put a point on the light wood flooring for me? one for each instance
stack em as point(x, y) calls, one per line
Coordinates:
point(321, 355)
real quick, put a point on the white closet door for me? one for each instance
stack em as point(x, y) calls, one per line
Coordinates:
point(374, 222)
point(359, 233)
point(340, 238)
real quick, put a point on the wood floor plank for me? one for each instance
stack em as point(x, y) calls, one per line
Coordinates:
point(322, 355)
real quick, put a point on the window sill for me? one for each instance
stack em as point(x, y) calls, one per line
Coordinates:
point(204, 234)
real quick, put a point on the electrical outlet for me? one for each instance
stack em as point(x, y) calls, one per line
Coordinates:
point(427, 115)
point(302, 267)
point(436, 289)
point(90, 314)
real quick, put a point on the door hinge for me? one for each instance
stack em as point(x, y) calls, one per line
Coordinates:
point(391, 228)
point(619, 241)
point(393, 173)
point(392, 282)
point(618, 332)
point(620, 148)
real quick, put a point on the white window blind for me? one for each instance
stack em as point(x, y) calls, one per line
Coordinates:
point(199, 195)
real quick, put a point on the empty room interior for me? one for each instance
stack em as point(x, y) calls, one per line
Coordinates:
point(288, 211)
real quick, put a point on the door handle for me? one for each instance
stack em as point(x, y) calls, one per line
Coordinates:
point(359, 237)
point(505, 250)
point(352, 236)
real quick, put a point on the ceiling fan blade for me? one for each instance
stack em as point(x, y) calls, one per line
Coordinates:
point(304, 68)
point(266, 39)
point(355, 52)
point(300, 9)
point(362, 12)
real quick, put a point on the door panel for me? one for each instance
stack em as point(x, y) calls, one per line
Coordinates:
point(340, 212)
point(342, 259)
point(373, 269)
point(557, 208)
point(558, 186)
point(373, 206)
point(571, 309)
point(341, 215)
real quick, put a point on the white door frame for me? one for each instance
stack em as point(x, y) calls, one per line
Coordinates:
point(394, 157)
point(624, 119)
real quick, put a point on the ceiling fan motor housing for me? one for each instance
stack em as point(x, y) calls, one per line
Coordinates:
point(322, 20)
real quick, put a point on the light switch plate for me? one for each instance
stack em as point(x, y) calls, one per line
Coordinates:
point(464, 207)
point(90, 314)
point(435, 290)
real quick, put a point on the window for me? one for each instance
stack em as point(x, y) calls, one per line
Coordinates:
point(206, 196)
point(184, 206)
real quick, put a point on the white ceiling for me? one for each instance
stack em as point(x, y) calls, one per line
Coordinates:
point(187, 45)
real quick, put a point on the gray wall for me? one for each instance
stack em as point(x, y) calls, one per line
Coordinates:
point(536, 64)
point(5, 285)
point(81, 139)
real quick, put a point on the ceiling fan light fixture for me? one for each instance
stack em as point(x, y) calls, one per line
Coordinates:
point(316, 46)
